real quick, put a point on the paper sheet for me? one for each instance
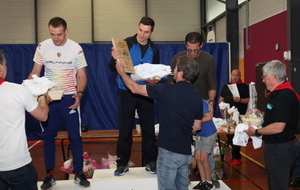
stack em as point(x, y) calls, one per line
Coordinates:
point(233, 89)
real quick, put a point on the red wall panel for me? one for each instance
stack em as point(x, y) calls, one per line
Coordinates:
point(262, 39)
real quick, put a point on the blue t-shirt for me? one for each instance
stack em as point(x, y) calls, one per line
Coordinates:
point(179, 105)
point(208, 128)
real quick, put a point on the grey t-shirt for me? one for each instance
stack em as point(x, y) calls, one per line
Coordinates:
point(207, 79)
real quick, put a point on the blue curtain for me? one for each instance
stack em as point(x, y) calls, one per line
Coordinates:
point(100, 103)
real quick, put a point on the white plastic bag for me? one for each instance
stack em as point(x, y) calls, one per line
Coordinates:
point(38, 85)
point(252, 99)
point(150, 71)
point(252, 114)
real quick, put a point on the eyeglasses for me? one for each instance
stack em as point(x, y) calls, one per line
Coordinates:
point(263, 77)
point(193, 50)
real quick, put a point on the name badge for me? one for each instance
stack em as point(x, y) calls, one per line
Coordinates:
point(269, 106)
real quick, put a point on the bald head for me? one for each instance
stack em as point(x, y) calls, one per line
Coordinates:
point(235, 76)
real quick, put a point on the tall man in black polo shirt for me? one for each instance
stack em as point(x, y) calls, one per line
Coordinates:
point(280, 125)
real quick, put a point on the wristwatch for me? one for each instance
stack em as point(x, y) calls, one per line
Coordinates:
point(257, 133)
point(211, 101)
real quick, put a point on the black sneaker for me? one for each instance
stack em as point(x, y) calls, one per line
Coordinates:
point(81, 180)
point(216, 183)
point(48, 182)
point(199, 185)
point(151, 167)
point(121, 170)
point(207, 186)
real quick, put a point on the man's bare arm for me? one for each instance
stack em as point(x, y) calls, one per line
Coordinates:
point(271, 129)
point(42, 110)
point(82, 81)
point(197, 125)
point(37, 68)
point(212, 96)
point(131, 84)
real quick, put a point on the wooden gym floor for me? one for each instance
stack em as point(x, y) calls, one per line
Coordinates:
point(251, 174)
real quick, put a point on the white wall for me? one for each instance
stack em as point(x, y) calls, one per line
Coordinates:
point(17, 21)
point(117, 18)
point(77, 13)
point(220, 27)
point(262, 9)
point(174, 18)
point(113, 18)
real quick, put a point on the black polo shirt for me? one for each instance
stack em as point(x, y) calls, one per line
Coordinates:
point(244, 93)
point(179, 105)
point(283, 107)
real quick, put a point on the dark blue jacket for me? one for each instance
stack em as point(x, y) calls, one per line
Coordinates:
point(150, 56)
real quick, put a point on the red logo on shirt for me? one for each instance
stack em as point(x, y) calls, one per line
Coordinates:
point(58, 54)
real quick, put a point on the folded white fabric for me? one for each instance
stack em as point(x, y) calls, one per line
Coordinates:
point(224, 106)
point(38, 85)
point(256, 141)
point(241, 138)
point(235, 114)
point(156, 128)
point(150, 71)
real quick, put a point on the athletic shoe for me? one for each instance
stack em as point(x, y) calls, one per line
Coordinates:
point(151, 167)
point(236, 162)
point(207, 186)
point(48, 182)
point(215, 181)
point(81, 180)
point(121, 170)
point(199, 185)
point(229, 160)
